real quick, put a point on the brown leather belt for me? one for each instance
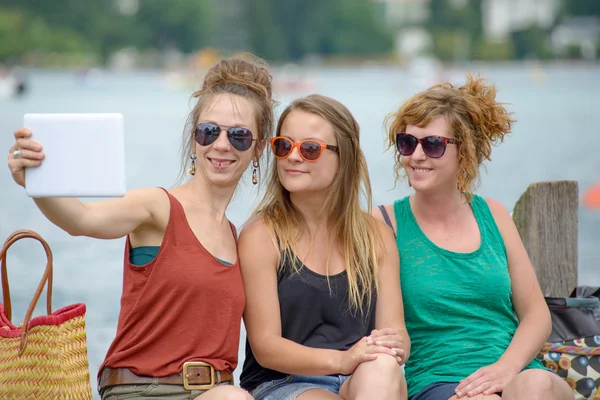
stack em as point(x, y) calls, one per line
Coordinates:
point(194, 376)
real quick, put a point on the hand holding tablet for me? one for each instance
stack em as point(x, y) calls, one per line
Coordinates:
point(84, 155)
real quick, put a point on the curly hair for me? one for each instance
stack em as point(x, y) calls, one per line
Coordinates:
point(473, 115)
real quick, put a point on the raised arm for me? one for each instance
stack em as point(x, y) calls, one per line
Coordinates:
point(109, 219)
point(258, 261)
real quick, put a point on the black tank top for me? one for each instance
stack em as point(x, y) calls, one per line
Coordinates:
point(314, 313)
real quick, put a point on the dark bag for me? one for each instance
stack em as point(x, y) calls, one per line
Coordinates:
point(573, 348)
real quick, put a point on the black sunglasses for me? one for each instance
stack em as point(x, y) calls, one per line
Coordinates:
point(433, 146)
point(207, 133)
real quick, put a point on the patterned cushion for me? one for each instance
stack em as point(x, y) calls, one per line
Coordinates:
point(578, 363)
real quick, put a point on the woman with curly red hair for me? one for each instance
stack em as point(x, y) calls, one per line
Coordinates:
point(474, 310)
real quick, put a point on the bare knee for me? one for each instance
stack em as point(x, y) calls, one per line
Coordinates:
point(240, 395)
point(225, 393)
point(384, 365)
point(537, 385)
point(479, 397)
point(534, 386)
point(318, 394)
point(381, 378)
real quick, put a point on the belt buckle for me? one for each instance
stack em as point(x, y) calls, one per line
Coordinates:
point(197, 364)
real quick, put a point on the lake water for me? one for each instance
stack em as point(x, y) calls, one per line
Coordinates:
point(556, 138)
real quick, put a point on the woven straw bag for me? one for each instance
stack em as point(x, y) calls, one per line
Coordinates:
point(45, 357)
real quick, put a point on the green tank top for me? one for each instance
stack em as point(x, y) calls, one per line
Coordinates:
point(457, 306)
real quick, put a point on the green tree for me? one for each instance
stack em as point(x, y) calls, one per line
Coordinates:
point(70, 26)
point(266, 34)
point(274, 29)
point(455, 23)
point(292, 29)
point(22, 32)
point(182, 24)
point(530, 42)
point(581, 8)
point(357, 29)
point(99, 26)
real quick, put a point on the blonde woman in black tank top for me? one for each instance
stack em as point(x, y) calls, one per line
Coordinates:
point(321, 274)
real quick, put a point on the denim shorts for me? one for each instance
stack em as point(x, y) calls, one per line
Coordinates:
point(292, 386)
point(436, 391)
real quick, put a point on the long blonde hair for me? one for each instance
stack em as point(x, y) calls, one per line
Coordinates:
point(354, 230)
point(473, 115)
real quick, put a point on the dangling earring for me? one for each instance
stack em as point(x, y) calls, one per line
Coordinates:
point(254, 172)
point(192, 169)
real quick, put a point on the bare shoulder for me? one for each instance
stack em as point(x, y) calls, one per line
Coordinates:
point(498, 210)
point(503, 219)
point(255, 226)
point(147, 194)
point(253, 222)
point(376, 211)
point(495, 206)
point(256, 245)
point(155, 203)
point(153, 199)
point(378, 215)
point(384, 229)
point(388, 240)
point(255, 233)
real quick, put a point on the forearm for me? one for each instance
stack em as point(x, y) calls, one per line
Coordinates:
point(400, 339)
point(529, 337)
point(66, 213)
point(406, 344)
point(288, 357)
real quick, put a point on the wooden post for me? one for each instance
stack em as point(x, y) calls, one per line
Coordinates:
point(546, 216)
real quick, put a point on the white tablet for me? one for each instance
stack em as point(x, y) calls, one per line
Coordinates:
point(84, 155)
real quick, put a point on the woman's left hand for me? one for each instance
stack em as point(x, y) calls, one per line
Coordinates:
point(487, 380)
point(390, 338)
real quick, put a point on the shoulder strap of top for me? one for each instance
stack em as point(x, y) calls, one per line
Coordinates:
point(485, 218)
point(234, 230)
point(176, 206)
point(481, 208)
point(386, 218)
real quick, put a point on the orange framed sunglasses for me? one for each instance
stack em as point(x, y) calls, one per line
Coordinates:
point(310, 150)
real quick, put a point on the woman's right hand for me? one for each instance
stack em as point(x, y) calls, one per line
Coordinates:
point(31, 155)
point(359, 353)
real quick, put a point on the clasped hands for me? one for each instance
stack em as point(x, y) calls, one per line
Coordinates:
point(381, 341)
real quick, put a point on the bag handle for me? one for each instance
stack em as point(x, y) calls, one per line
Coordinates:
point(46, 279)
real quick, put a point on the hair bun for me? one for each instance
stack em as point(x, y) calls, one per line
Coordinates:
point(490, 118)
point(244, 70)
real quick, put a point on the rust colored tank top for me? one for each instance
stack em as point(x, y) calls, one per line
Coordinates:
point(184, 305)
